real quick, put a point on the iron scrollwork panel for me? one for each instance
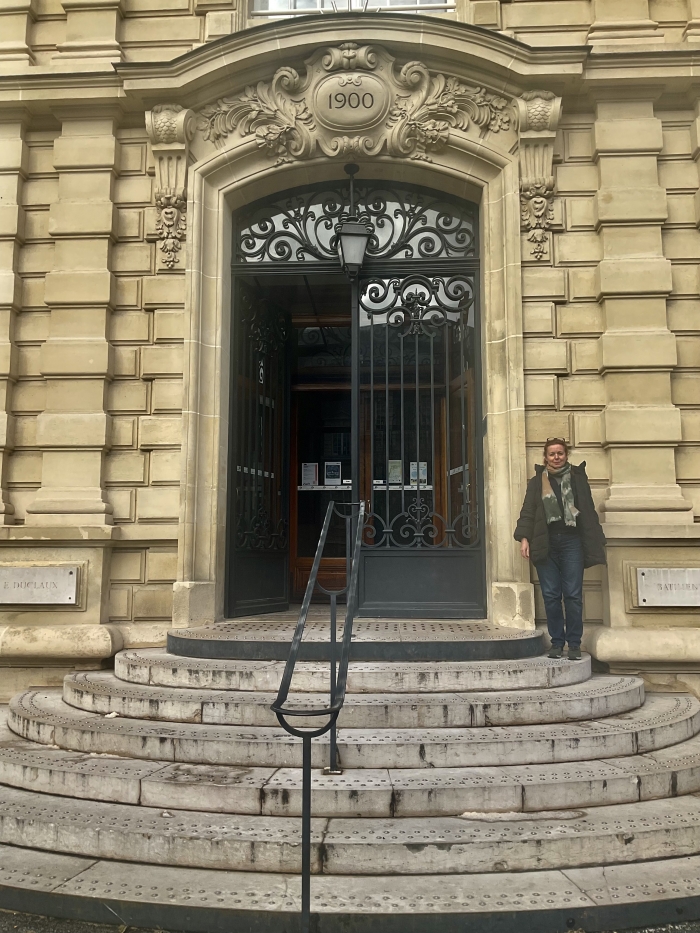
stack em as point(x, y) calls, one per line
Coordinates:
point(260, 505)
point(408, 224)
point(418, 373)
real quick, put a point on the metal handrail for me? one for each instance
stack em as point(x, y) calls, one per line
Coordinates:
point(337, 691)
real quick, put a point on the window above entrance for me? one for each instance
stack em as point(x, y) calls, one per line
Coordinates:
point(409, 224)
point(301, 7)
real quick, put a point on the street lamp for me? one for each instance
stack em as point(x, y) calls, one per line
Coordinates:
point(353, 233)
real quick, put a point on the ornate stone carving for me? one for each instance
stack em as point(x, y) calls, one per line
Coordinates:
point(170, 129)
point(538, 117)
point(354, 101)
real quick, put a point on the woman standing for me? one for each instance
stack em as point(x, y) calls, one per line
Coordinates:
point(559, 531)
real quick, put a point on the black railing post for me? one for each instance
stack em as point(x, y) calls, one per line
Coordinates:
point(339, 677)
point(306, 836)
point(333, 761)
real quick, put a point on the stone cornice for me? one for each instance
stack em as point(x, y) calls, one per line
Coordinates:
point(506, 65)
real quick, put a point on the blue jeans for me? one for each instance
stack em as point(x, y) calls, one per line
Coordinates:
point(561, 576)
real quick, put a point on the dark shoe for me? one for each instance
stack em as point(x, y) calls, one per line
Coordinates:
point(574, 654)
point(557, 653)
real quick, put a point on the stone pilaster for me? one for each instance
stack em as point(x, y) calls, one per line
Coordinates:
point(641, 426)
point(13, 170)
point(74, 430)
point(16, 20)
point(623, 22)
point(92, 32)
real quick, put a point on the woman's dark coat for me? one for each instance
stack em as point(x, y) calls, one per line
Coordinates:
point(532, 523)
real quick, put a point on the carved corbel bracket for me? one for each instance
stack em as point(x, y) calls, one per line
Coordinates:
point(538, 116)
point(170, 129)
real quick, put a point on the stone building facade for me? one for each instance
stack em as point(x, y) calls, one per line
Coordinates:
point(131, 131)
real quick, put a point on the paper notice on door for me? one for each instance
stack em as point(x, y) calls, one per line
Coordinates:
point(419, 473)
point(332, 473)
point(395, 477)
point(309, 474)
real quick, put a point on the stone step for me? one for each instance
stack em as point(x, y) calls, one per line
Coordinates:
point(355, 793)
point(42, 716)
point(428, 845)
point(373, 640)
point(210, 901)
point(161, 669)
point(603, 695)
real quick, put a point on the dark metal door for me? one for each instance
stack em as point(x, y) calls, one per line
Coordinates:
point(258, 564)
point(419, 461)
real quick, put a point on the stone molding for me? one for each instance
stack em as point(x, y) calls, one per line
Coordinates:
point(539, 113)
point(170, 129)
point(354, 101)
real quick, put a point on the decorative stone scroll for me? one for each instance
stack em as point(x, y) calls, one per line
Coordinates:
point(538, 117)
point(170, 129)
point(354, 101)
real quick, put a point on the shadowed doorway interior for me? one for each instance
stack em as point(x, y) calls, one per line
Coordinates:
point(419, 404)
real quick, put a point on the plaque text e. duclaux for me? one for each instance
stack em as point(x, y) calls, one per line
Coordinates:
point(48, 586)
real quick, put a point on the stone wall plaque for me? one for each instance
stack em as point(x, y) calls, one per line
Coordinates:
point(45, 586)
point(668, 586)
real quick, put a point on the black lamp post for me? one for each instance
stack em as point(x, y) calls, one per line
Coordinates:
point(353, 234)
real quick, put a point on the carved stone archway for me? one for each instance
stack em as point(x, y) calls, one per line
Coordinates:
point(446, 130)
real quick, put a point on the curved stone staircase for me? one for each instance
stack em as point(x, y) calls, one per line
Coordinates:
point(473, 791)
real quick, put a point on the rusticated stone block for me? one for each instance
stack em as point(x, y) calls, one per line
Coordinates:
point(72, 429)
point(125, 467)
point(160, 432)
point(153, 601)
point(545, 355)
point(127, 566)
point(541, 391)
point(160, 504)
point(82, 218)
point(163, 291)
point(166, 466)
point(84, 152)
point(167, 395)
point(541, 282)
point(582, 392)
point(626, 425)
point(75, 288)
point(648, 276)
point(161, 361)
point(161, 565)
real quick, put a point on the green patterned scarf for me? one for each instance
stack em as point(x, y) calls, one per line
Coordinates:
point(549, 500)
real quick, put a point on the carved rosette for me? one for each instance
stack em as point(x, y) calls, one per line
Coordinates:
point(170, 129)
point(354, 101)
point(538, 117)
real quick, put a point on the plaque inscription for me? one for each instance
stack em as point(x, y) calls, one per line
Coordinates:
point(47, 586)
point(668, 586)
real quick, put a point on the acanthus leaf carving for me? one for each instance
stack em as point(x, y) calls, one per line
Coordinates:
point(539, 113)
point(170, 129)
point(353, 100)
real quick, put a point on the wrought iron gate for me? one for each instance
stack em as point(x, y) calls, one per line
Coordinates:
point(419, 398)
point(418, 368)
point(258, 543)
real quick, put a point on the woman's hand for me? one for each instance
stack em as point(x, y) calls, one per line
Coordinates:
point(525, 549)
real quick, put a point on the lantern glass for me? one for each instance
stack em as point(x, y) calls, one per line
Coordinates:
point(352, 243)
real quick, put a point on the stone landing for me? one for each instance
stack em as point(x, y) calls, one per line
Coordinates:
point(372, 640)
point(507, 793)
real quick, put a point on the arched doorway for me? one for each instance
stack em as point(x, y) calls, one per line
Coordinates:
point(419, 400)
